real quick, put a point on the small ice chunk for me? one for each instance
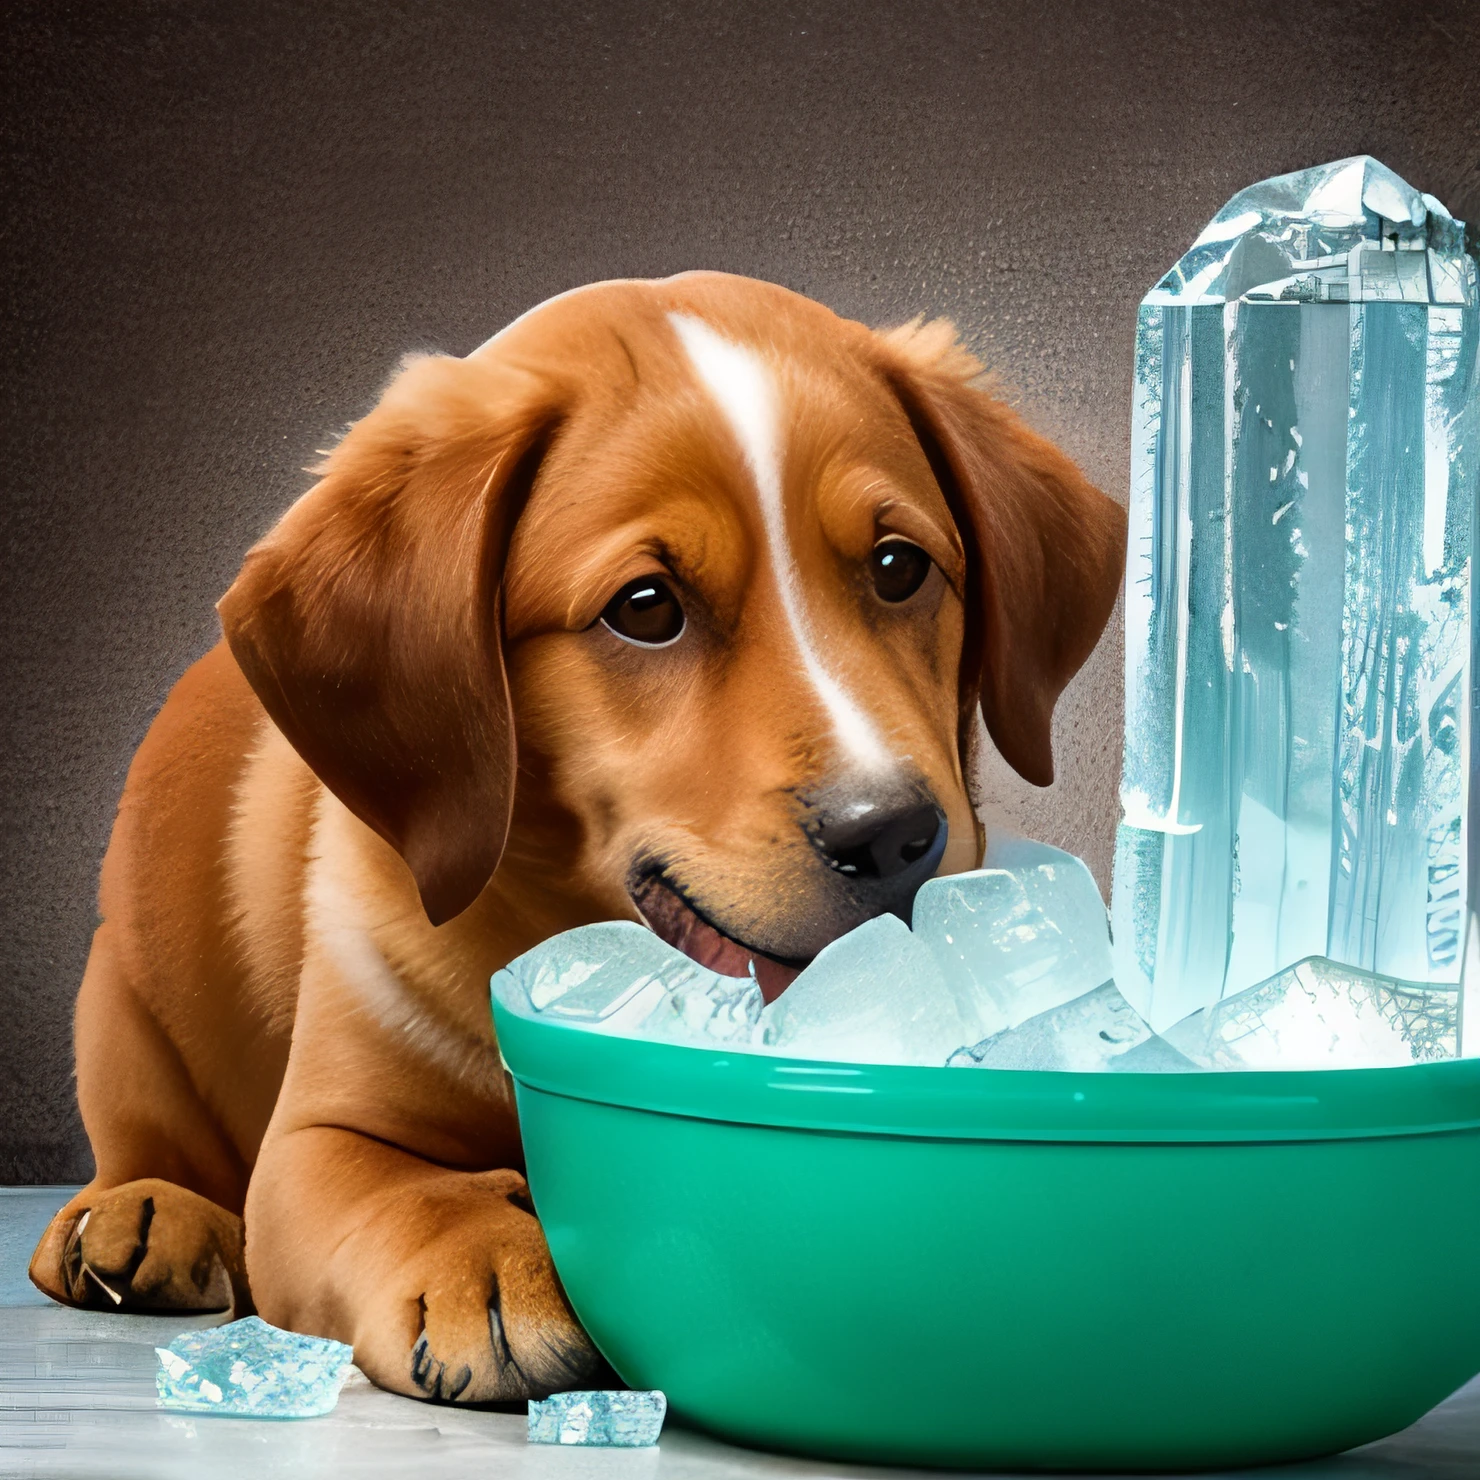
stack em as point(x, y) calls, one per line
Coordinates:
point(875, 995)
point(1322, 1015)
point(1016, 939)
point(617, 1419)
point(1097, 1032)
point(702, 1005)
point(251, 1369)
point(611, 976)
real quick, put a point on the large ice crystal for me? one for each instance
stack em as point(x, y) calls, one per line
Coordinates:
point(248, 1369)
point(1300, 632)
point(617, 1419)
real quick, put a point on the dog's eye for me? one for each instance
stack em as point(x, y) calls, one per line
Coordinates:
point(645, 611)
point(900, 569)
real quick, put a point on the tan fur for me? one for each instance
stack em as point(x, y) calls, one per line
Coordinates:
point(266, 872)
point(931, 345)
point(419, 719)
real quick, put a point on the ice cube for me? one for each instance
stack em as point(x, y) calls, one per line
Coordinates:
point(1097, 1032)
point(1011, 850)
point(1016, 939)
point(612, 976)
point(618, 1419)
point(1321, 1015)
point(703, 1006)
point(1299, 659)
point(875, 995)
point(251, 1369)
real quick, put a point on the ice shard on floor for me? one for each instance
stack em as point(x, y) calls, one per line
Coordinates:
point(1301, 692)
point(248, 1369)
point(616, 1419)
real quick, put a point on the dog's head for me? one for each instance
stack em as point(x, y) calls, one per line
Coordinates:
point(699, 583)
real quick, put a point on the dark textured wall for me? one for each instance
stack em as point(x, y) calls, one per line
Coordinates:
point(224, 223)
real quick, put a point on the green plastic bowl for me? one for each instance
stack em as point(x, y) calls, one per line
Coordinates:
point(1001, 1269)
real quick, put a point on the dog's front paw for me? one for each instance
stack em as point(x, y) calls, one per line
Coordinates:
point(490, 1320)
point(144, 1246)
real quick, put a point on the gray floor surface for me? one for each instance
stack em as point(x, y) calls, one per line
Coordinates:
point(77, 1399)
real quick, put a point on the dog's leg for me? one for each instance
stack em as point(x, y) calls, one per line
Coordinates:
point(150, 1232)
point(441, 1280)
point(368, 1216)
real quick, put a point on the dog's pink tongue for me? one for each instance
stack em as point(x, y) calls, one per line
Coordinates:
point(709, 948)
point(676, 923)
point(704, 944)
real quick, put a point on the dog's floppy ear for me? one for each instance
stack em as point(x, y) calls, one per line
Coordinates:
point(368, 621)
point(1045, 547)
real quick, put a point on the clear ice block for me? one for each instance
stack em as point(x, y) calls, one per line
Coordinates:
point(619, 977)
point(617, 1419)
point(248, 1369)
point(1017, 938)
point(1320, 1015)
point(1300, 631)
point(1095, 1033)
point(875, 995)
point(703, 1006)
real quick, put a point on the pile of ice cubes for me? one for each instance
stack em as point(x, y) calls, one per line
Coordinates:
point(1295, 884)
point(1007, 967)
point(994, 954)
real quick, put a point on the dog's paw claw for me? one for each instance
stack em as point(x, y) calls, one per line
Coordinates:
point(498, 1339)
point(421, 1364)
point(430, 1375)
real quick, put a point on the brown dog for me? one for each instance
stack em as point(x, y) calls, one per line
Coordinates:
point(734, 574)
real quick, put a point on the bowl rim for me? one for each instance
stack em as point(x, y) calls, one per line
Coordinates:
point(964, 1104)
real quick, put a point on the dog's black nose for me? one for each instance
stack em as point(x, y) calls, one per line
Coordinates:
point(887, 853)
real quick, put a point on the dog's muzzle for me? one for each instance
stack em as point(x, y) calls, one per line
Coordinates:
point(877, 855)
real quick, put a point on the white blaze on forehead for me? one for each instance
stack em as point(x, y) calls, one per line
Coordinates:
point(745, 391)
